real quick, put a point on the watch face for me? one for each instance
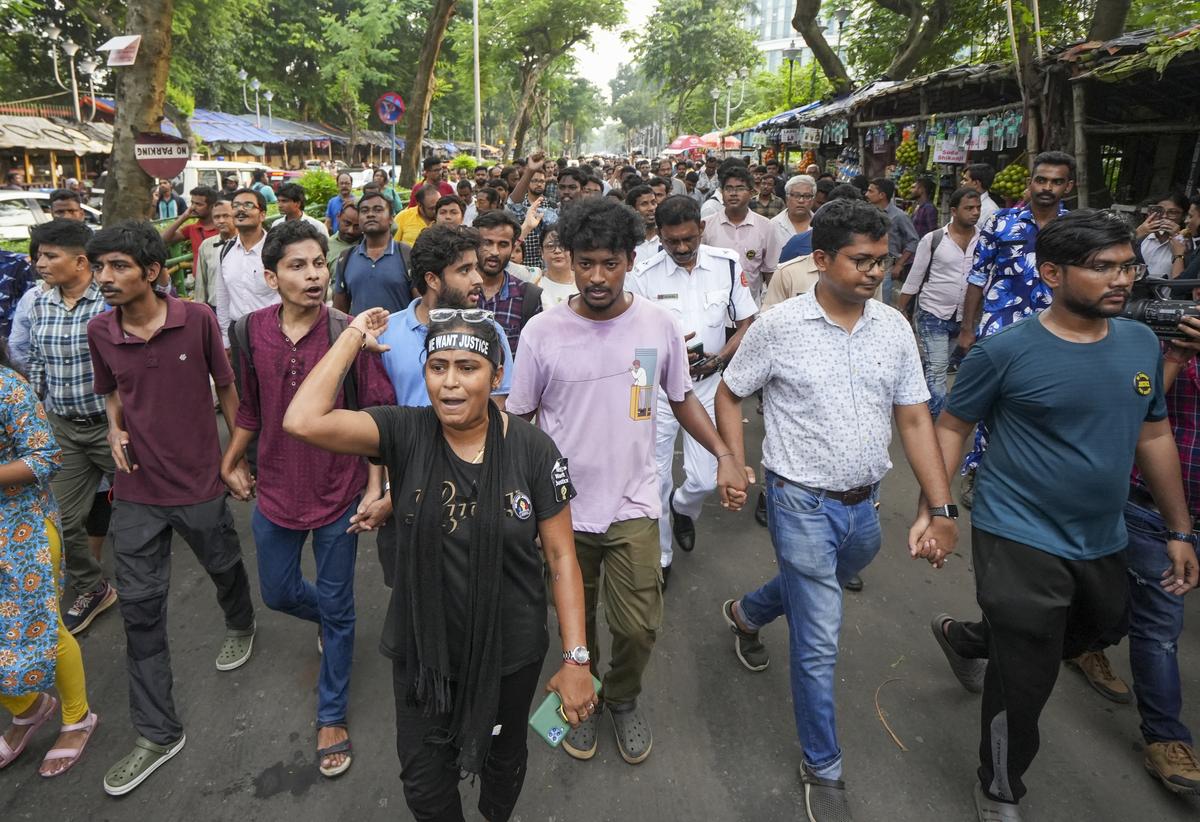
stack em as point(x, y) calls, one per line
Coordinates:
point(579, 655)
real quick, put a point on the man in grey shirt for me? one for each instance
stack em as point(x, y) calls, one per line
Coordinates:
point(902, 236)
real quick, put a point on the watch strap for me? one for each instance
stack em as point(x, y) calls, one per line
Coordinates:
point(1181, 537)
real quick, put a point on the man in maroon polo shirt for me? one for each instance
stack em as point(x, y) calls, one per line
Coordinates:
point(152, 356)
point(302, 489)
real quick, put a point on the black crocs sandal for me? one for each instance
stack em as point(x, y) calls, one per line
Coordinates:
point(634, 737)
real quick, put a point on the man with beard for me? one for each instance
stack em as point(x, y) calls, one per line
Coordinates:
point(644, 201)
point(448, 259)
point(738, 228)
point(1081, 390)
point(432, 167)
point(702, 288)
point(349, 234)
point(196, 233)
point(481, 177)
point(411, 222)
point(511, 299)
point(570, 185)
point(374, 274)
point(530, 189)
point(664, 171)
point(345, 184)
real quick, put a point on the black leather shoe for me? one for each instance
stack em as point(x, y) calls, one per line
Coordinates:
point(666, 574)
point(854, 584)
point(760, 509)
point(684, 528)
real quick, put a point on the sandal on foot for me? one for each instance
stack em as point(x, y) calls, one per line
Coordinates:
point(235, 650)
point(72, 755)
point(145, 758)
point(580, 741)
point(8, 754)
point(634, 737)
point(342, 747)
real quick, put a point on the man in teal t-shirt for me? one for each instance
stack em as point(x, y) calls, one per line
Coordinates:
point(1072, 398)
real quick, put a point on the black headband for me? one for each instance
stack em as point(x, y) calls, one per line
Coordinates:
point(461, 341)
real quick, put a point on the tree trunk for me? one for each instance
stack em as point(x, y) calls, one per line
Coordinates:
point(919, 37)
point(805, 22)
point(520, 123)
point(1108, 20)
point(141, 90)
point(422, 92)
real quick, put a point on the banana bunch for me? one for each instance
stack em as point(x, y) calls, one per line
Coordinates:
point(1012, 181)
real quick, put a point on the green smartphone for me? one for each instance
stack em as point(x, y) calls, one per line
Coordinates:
point(548, 721)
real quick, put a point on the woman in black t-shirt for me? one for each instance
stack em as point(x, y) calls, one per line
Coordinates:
point(466, 626)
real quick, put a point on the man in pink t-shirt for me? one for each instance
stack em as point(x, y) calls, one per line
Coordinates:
point(591, 369)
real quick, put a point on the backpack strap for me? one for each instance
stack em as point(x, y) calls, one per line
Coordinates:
point(338, 322)
point(240, 339)
point(935, 238)
point(226, 248)
point(339, 265)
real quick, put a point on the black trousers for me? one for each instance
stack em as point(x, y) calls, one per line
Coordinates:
point(428, 771)
point(1038, 609)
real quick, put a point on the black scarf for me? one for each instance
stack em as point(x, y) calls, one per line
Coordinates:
point(427, 655)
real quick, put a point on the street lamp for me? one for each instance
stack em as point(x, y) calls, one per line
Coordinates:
point(730, 106)
point(70, 48)
point(88, 66)
point(790, 54)
point(255, 85)
point(269, 95)
point(716, 95)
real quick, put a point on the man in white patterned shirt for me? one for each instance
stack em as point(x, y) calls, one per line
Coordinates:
point(835, 367)
point(60, 370)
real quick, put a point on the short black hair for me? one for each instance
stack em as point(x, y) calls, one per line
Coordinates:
point(826, 175)
point(1178, 198)
point(575, 174)
point(659, 181)
point(423, 192)
point(981, 173)
point(692, 177)
point(451, 199)
point(437, 248)
point(836, 223)
point(885, 186)
point(293, 192)
point(597, 223)
point(375, 195)
point(461, 184)
point(738, 172)
point(827, 185)
point(489, 194)
point(257, 195)
point(62, 233)
point(430, 162)
point(677, 210)
point(631, 196)
point(258, 175)
point(927, 185)
point(963, 193)
point(844, 191)
point(210, 194)
point(1056, 158)
point(860, 181)
point(496, 218)
point(387, 175)
point(60, 194)
point(1075, 238)
point(137, 238)
point(285, 233)
point(348, 207)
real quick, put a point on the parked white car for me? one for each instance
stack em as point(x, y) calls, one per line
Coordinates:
point(20, 210)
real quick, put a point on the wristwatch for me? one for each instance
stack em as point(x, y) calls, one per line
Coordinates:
point(1181, 537)
point(948, 511)
point(577, 656)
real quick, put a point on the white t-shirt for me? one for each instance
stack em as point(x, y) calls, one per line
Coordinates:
point(554, 293)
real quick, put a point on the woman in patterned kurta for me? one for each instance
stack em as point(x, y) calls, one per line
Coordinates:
point(36, 650)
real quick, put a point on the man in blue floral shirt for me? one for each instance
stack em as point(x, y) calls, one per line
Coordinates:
point(16, 277)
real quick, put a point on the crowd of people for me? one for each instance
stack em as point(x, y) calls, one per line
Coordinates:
point(492, 379)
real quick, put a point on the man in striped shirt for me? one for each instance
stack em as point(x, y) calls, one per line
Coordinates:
point(60, 370)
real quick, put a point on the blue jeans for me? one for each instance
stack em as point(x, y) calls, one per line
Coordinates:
point(1155, 623)
point(937, 338)
point(820, 544)
point(329, 603)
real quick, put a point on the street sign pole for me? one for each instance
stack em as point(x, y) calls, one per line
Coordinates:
point(393, 148)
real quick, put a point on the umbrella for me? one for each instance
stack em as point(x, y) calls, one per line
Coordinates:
point(713, 140)
point(686, 142)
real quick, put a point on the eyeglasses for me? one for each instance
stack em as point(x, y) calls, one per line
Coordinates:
point(735, 189)
point(245, 206)
point(1138, 270)
point(552, 247)
point(470, 315)
point(801, 197)
point(865, 264)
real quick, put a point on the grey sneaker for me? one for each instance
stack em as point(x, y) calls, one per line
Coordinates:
point(824, 799)
point(970, 672)
point(580, 741)
point(750, 651)
point(992, 810)
point(87, 607)
point(634, 737)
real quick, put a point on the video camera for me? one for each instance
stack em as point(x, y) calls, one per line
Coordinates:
point(1147, 306)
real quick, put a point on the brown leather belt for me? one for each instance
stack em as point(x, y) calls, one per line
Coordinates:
point(851, 497)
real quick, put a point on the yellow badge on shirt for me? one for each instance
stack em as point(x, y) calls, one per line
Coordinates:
point(750, 254)
point(1142, 384)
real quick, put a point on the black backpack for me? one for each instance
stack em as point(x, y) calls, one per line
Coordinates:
point(338, 322)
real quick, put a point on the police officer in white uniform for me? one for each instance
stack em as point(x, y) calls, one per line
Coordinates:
point(706, 291)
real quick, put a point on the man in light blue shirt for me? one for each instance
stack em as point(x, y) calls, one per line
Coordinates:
point(448, 257)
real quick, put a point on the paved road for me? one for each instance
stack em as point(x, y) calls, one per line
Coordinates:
point(725, 745)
